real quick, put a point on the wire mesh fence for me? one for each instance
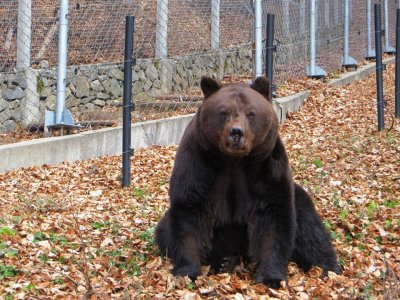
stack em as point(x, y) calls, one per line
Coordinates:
point(176, 42)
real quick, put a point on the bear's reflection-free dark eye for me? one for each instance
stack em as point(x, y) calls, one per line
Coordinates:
point(251, 114)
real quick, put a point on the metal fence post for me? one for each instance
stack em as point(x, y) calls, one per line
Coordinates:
point(370, 53)
point(285, 18)
point(302, 17)
point(269, 61)
point(379, 67)
point(30, 113)
point(161, 50)
point(327, 21)
point(62, 61)
point(313, 70)
point(215, 13)
point(24, 34)
point(62, 117)
point(347, 60)
point(127, 102)
point(397, 70)
point(258, 37)
point(387, 49)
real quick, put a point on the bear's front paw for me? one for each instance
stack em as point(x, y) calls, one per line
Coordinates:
point(333, 268)
point(270, 280)
point(274, 283)
point(191, 271)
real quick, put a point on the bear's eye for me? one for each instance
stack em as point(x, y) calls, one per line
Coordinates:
point(251, 114)
point(223, 113)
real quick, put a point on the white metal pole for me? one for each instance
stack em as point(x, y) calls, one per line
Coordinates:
point(161, 50)
point(388, 48)
point(258, 37)
point(285, 18)
point(327, 14)
point(312, 69)
point(313, 17)
point(24, 34)
point(346, 30)
point(386, 12)
point(347, 60)
point(370, 53)
point(62, 61)
point(302, 18)
point(215, 15)
point(336, 8)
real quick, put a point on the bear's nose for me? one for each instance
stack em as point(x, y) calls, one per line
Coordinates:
point(236, 133)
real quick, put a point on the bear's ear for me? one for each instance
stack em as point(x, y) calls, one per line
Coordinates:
point(261, 85)
point(209, 86)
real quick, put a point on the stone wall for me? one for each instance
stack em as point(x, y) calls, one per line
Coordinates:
point(92, 87)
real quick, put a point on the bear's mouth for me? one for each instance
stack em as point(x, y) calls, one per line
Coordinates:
point(234, 147)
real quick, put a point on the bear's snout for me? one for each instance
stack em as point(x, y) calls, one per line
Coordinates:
point(236, 136)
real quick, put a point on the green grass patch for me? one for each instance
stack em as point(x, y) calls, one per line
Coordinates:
point(317, 162)
point(38, 237)
point(139, 193)
point(7, 231)
point(7, 271)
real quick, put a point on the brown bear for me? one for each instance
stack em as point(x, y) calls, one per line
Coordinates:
point(232, 193)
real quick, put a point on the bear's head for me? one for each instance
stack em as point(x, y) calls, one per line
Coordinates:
point(238, 119)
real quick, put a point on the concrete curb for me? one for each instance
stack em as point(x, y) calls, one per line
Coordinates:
point(360, 73)
point(86, 145)
point(289, 104)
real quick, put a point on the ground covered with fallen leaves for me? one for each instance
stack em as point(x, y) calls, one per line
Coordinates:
point(70, 231)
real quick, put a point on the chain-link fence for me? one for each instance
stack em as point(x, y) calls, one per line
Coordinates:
point(176, 42)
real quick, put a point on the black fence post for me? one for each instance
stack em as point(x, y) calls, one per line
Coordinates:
point(397, 72)
point(127, 102)
point(379, 67)
point(269, 60)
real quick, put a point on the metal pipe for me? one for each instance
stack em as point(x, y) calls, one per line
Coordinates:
point(347, 60)
point(397, 72)
point(62, 61)
point(161, 50)
point(270, 50)
point(379, 67)
point(24, 34)
point(127, 102)
point(285, 18)
point(327, 15)
point(313, 17)
point(370, 53)
point(215, 15)
point(346, 30)
point(302, 17)
point(258, 37)
point(387, 48)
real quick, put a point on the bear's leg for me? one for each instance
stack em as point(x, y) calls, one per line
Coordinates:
point(313, 246)
point(229, 244)
point(271, 240)
point(179, 235)
point(162, 234)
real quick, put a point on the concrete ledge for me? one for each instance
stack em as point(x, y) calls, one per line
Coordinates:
point(289, 104)
point(360, 73)
point(91, 144)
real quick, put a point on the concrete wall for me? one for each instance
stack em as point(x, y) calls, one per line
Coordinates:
point(90, 144)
